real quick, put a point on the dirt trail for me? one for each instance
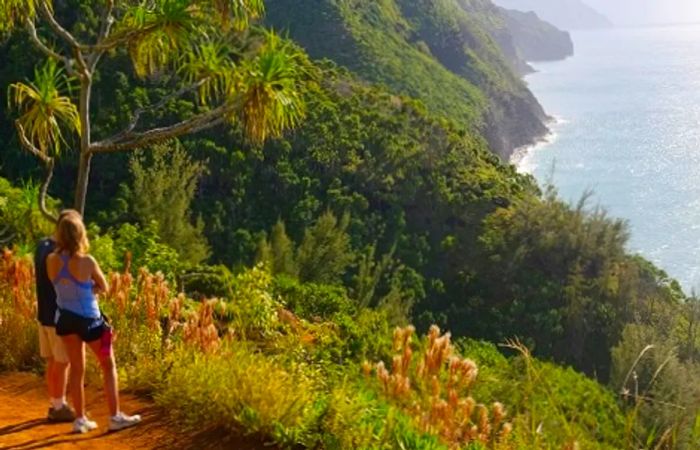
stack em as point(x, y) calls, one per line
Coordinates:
point(23, 407)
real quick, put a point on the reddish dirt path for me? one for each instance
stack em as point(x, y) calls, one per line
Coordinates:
point(23, 407)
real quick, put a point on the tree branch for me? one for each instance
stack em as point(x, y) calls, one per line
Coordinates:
point(106, 21)
point(31, 148)
point(49, 164)
point(43, 193)
point(131, 140)
point(65, 35)
point(38, 43)
point(137, 114)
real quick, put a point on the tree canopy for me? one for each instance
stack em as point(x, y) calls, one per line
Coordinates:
point(203, 50)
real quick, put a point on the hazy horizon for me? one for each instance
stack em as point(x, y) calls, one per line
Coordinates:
point(643, 12)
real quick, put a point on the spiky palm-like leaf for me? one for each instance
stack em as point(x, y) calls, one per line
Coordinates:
point(157, 32)
point(270, 90)
point(238, 13)
point(210, 62)
point(43, 109)
point(14, 12)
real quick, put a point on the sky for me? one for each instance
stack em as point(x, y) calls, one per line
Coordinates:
point(636, 12)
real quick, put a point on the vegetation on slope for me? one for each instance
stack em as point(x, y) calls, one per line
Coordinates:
point(448, 217)
point(246, 365)
point(294, 363)
point(455, 66)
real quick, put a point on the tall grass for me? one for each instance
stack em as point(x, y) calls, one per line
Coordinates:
point(432, 384)
point(18, 326)
point(243, 391)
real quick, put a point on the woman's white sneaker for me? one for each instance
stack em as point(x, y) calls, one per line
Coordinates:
point(121, 421)
point(83, 425)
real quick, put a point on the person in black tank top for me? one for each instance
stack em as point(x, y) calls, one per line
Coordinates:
point(51, 346)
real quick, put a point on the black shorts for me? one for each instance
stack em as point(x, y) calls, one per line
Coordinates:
point(88, 329)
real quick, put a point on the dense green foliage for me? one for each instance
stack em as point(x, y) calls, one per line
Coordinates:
point(158, 195)
point(454, 65)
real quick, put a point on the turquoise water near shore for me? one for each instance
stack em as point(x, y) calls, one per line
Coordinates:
point(627, 127)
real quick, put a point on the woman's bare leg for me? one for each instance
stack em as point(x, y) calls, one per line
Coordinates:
point(109, 372)
point(56, 378)
point(76, 355)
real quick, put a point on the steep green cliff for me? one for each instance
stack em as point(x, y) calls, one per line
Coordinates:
point(440, 52)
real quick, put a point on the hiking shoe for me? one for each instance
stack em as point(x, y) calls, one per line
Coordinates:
point(121, 421)
point(64, 414)
point(83, 425)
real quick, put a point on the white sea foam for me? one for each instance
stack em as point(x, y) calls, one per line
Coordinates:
point(523, 157)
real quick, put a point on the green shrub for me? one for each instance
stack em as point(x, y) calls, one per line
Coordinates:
point(357, 418)
point(21, 221)
point(238, 390)
point(313, 301)
point(146, 250)
point(551, 406)
point(252, 308)
point(659, 386)
point(207, 282)
point(366, 335)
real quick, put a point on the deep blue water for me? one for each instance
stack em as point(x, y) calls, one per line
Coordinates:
point(628, 127)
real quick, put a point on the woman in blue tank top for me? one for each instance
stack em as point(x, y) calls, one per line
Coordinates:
point(78, 279)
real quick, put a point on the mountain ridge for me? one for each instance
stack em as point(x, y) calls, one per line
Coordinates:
point(458, 70)
point(565, 14)
point(536, 39)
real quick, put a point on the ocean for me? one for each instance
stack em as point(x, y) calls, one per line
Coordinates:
point(626, 126)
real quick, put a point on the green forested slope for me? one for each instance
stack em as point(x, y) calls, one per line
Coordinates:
point(418, 186)
point(437, 52)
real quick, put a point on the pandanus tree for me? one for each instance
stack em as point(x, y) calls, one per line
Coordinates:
point(207, 51)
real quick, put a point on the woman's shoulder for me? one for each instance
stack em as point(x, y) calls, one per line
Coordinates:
point(87, 260)
point(84, 258)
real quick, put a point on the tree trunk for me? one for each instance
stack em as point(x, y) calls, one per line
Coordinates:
point(81, 187)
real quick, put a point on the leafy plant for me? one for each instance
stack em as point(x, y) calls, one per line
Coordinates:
point(257, 89)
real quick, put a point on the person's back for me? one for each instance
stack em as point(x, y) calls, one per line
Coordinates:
point(72, 278)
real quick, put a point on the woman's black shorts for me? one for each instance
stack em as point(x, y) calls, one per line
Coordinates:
point(88, 329)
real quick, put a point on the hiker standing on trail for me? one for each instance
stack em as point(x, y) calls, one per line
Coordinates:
point(77, 279)
point(50, 345)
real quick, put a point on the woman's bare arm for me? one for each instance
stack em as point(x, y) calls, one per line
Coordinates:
point(99, 278)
